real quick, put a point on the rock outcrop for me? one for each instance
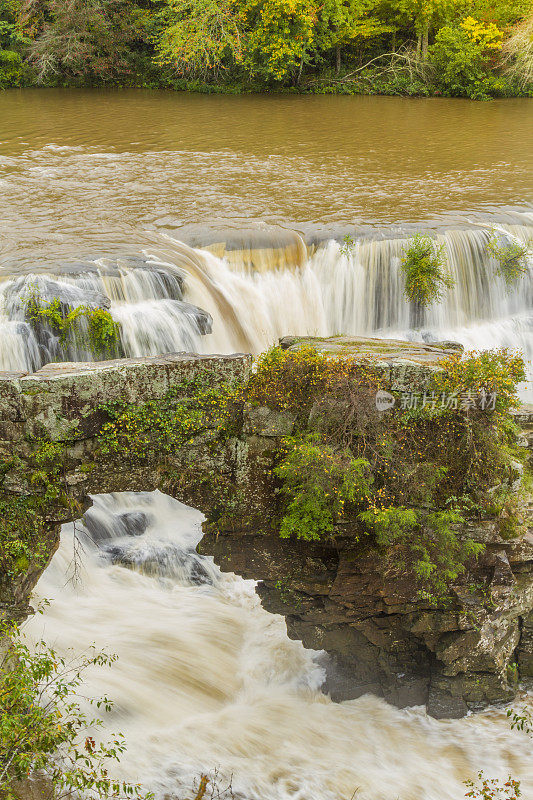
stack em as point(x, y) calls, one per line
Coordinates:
point(379, 636)
point(62, 404)
point(340, 596)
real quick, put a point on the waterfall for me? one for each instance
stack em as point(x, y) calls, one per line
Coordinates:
point(145, 301)
point(164, 297)
point(207, 680)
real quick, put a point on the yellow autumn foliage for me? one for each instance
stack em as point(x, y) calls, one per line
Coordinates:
point(485, 34)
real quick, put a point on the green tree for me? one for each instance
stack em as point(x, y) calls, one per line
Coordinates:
point(426, 15)
point(198, 37)
point(460, 63)
point(423, 267)
point(13, 41)
point(343, 23)
point(80, 40)
point(280, 37)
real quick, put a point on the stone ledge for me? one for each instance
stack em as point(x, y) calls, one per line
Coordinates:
point(64, 369)
point(49, 402)
point(388, 350)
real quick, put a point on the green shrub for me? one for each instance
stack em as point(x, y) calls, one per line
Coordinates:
point(439, 555)
point(460, 64)
point(319, 483)
point(511, 257)
point(423, 267)
point(103, 333)
point(292, 380)
point(13, 42)
point(43, 730)
point(11, 69)
point(22, 534)
point(480, 374)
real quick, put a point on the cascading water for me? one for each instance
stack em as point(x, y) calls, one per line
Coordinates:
point(145, 300)
point(254, 299)
point(207, 680)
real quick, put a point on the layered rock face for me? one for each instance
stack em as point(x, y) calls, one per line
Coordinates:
point(379, 636)
point(341, 596)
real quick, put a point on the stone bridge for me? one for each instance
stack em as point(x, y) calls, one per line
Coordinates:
point(335, 597)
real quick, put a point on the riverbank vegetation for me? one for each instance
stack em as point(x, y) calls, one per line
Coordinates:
point(45, 735)
point(463, 48)
point(409, 478)
point(51, 748)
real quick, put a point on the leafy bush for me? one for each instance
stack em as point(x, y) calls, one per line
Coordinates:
point(197, 36)
point(460, 64)
point(162, 426)
point(13, 41)
point(480, 374)
point(439, 554)
point(43, 730)
point(408, 477)
point(292, 380)
point(103, 333)
point(22, 535)
point(80, 41)
point(423, 267)
point(11, 68)
point(492, 789)
point(319, 482)
point(511, 257)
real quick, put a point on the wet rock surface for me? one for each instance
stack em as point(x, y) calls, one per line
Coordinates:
point(380, 636)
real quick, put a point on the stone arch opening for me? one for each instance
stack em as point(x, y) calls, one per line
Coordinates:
point(57, 448)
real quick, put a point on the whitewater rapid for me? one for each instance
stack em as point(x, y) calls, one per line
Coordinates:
point(208, 681)
point(257, 294)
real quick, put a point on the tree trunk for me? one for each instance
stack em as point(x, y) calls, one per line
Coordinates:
point(338, 59)
point(416, 315)
point(425, 39)
point(299, 78)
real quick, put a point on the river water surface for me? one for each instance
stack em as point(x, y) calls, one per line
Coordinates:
point(114, 191)
point(160, 202)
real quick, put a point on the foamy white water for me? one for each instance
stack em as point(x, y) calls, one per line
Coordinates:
point(255, 297)
point(206, 679)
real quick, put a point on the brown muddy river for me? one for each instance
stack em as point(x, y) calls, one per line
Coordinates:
point(84, 170)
